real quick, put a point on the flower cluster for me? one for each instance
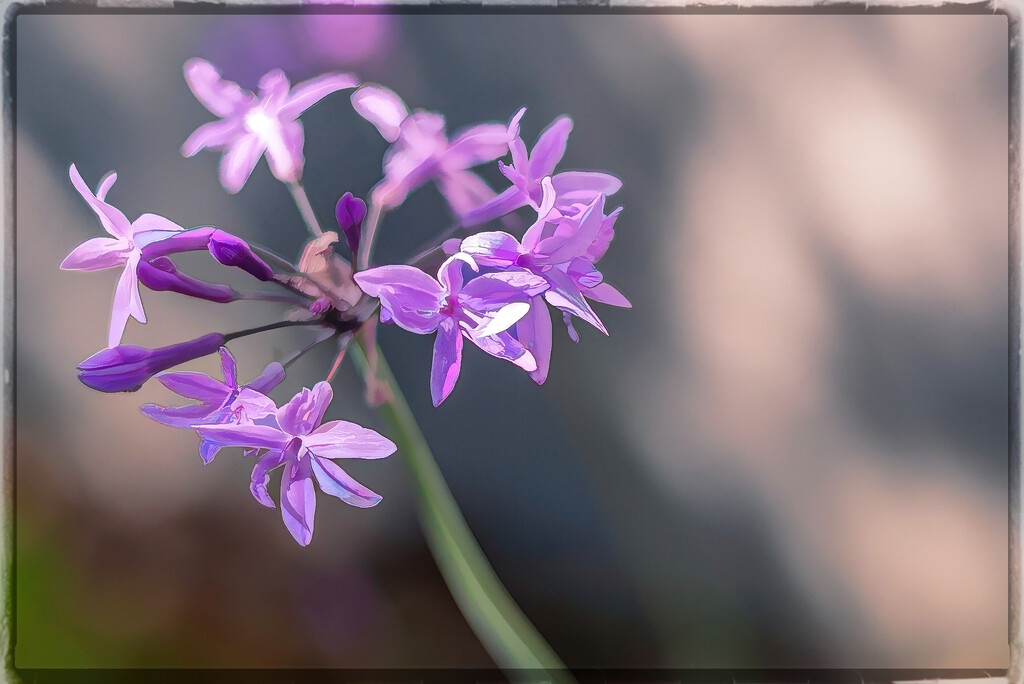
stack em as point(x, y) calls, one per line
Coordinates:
point(491, 288)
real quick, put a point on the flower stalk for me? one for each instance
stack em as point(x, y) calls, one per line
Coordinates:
point(507, 634)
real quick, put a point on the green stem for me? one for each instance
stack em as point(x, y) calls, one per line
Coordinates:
point(503, 629)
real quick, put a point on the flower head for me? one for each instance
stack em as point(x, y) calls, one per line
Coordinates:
point(421, 152)
point(481, 310)
point(529, 169)
point(295, 439)
point(123, 248)
point(219, 401)
point(250, 125)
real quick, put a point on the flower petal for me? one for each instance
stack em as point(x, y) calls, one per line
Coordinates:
point(464, 191)
point(244, 435)
point(177, 416)
point(447, 361)
point(606, 294)
point(260, 477)
point(239, 161)
point(207, 451)
point(505, 203)
point(150, 228)
point(411, 297)
point(493, 248)
point(342, 439)
point(215, 135)
point(220, 96)
point(504, 346)
point(336, 482)
point(195, 385)
point(534, 331)
point(306, 94)
point(550, 147)
point(97, 253)
point(502, 319)
point(127, 302)
point(298, 500)
point(476, 145)
point(305, 411)
point(583, 186)
point(228, 367)
point(565, 295)
point(284, 151)
point(270, 378)
point(111, 218)
point(383, 108)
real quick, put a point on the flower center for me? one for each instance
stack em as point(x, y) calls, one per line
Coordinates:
point(260, 123)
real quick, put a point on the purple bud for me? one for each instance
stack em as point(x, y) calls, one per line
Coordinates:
point(185, 241)
point(350, 212)
point(161, 275)
point(233, 251)
point(319, 305)
point(126, 367)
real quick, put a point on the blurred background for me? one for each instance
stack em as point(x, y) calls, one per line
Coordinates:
point(791, 453)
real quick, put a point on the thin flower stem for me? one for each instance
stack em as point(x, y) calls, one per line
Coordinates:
point(305, 208)
point(322, 337)
point(507, 634)
point(270, 297)
point(370, 224)
point(435, 244)
point(270, 326)
point(274, 256)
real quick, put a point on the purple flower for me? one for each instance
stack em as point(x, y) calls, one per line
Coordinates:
point(421, 151)
point(350, 212)
point(481, 310)
point(251, 126)
point(123, 248)
point(126, 367)
point(561, 248)
point(220, 402)
point(296, 440)
point(528, 170)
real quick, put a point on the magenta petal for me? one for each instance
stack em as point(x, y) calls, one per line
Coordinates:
point(444, 370)
point(565, 295)
point(342, 439)
point(336, 482)
point(176, 416)
point(111, 218)
point(410, 297)
point(236, 435)
point(491, 291)
point(261, 476)
point(194, 385)
point(583, 186)
point(550, 147)
point(96, 254)
point(239, 161)
point(298, 500)
point(306, 94)
point(476, 145)
point(606, 294)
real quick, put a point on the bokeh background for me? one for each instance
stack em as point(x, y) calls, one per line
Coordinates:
point(791, 453)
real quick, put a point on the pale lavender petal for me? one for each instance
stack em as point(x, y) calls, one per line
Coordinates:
point(505, 203)
point(604, 238)
point(251, 405)
point(534, 331)
point(306, 94)
point(284, 151)
point(111, 218)
point(215, 135)
point(127, 302)
point(303, 413)
point(150, 228)
point(195, 385)
point(274, 87)
point(103, 187)
point(606, 294)
point(298, 500)
point(550, 147)
point(583, 186)
point(336, 482)
point(504, 346)
point(520, 159)
point(492, 291)
point(244, 435)
point(476, 145)
point(341, 439)
point(450, 272)
point(383, 108)
point(177, 416)
point(97, 253)
point(219, 96)
point(411, 297)
point(207, 451)
point(260, 478)
point(501, 320)
point(494, 248)
point(447, 361)
point(270, 378)
point(239, 161)
point(584, 274)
